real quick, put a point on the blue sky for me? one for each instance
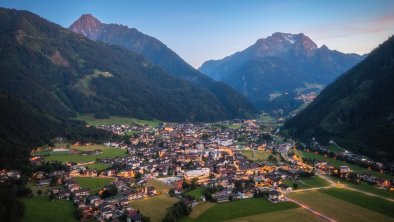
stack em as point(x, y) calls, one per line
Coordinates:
point(199, 30)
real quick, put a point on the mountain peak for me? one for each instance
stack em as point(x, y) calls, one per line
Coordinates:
point(299, 39)
point(88, 25)
point(88, 19)
point(281, 43)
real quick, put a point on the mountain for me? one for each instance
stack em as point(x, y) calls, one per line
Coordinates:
point(24, 126)
point(65, 73)
point(281, 63)
point(159, 54)
point(357, 110)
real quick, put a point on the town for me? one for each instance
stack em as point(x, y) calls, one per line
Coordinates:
point(196, 163)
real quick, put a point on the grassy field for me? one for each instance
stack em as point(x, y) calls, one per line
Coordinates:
point(44, 189)
point(241, 208)
point(132, 132)
point(259, 155)
point(293, 215)
point(232, 126)
point(196, 193)
point(89, 148)
point(163, 188)
point(267, 119)
point(305, 183)
point(315, 181)
point(107, 152)
point(201, 208)
point(372, 203)
point(38, 209)
point(93, 183)
point(336, 208)
point(155, 207)
point(117, 120)
point(98, 166)
point(290, 182)
point(335, 149)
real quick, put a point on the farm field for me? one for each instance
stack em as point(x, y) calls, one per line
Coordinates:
point(201, 208)
point(155, 207)
point(259, 155)
point(38, 209)
point(241, 208)
point(293, 215)
point(336, 208)
point(117, 120)
point(305, 183)
point(77, 158)
point(372, 203)
point(93, 183)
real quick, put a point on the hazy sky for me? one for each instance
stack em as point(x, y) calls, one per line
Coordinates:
point(199, 30)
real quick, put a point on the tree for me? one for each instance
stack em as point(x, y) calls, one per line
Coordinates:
point(238, 186)
point(205, 136)
point(138, 175)
point(171, 193)
point(185, 185)
point(272, 158)
point(194, 183)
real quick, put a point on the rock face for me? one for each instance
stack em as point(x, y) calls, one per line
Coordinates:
point(357, 110)
point(159, 54)
point(279, 64)
point(87, 25)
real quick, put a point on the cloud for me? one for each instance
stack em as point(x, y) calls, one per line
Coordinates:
point(353, 27)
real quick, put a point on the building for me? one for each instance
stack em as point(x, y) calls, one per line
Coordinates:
point(199, 175)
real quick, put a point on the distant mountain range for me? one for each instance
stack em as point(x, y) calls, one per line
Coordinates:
point(357, 110)
point(233, 103)
point(65, 73)
point(277, 65)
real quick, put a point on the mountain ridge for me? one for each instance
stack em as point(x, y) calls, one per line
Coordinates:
point(287, 59)
point(159, 54)
point(66, 73)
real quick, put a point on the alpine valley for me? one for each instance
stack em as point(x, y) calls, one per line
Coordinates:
point(357, 109)
point(101, 122)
